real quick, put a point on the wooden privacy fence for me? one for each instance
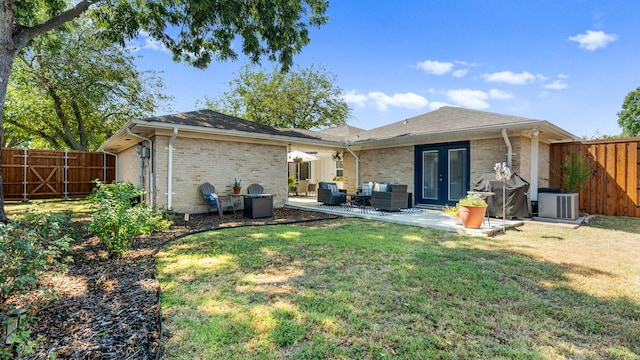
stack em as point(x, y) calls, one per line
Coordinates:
point(49, 174)
point(614, 188)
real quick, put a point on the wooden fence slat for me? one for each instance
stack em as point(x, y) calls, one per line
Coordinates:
point(47, 177)
point(615, 187)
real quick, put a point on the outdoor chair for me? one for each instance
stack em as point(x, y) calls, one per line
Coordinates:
point(215, 201)
point(255, 189)
point(303, 187)
point(389, 197)
point(329, 194)
point(312, 187)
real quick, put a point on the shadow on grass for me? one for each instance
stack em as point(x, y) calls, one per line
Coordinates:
point(620, 223)
point(369, 289)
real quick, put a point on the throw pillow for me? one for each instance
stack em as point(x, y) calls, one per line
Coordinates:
point(333, 188)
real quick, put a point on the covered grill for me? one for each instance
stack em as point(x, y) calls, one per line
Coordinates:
point(515, 192)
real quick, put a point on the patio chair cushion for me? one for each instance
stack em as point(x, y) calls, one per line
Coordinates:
point(381, 187)
point(333, 188)
point(212, 198)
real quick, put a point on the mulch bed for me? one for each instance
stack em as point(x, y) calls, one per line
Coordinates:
point(107, 308)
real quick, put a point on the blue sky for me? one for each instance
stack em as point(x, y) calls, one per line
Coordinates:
point(568, 62)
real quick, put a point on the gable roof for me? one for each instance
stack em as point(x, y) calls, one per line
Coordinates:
point(444, 124)
point(203, 122)
point(458, 121)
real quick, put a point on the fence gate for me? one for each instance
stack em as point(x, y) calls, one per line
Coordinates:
point(49, 174)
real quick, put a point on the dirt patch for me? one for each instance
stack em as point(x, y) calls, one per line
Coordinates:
point(108, 308)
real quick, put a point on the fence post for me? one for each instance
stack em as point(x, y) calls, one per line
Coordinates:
point(66, 174)
point(25, 196)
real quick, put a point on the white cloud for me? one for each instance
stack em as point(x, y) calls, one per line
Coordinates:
point(511, 78)
point(469, 98)
point(499, 94)
point(563, 76)
point(143, 41)
point(556, 85)
point(435, 67)
point(476, 99)
point(437, 105)
point(383, 101)
point(353, 97)
point(406, 100)
point(460, 73)
point(594, 40)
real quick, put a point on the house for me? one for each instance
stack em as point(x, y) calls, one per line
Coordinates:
point(437, 154)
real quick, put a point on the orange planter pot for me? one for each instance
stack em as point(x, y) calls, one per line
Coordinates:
point(472, 216)
point(236, 189)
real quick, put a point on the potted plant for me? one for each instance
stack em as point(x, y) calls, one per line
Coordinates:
point(236, 185)
point(454, 213)
point(472, 211)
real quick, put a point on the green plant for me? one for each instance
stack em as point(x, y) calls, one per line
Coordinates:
point(116, 222)
point(575, 172)
point(291, 182)
point(472, 200)
point(237, 182)
point(453, 211)
point(33, 243)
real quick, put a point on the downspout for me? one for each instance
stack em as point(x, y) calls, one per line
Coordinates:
point(170, 170)
point(533, 189)
point(150, 163)
point(346, 144)
point(509, 148)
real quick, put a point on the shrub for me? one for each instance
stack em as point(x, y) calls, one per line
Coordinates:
point(117, 222)
point(34, 243)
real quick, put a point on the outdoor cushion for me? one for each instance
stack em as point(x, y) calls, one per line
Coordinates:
point(381, 187)
point(366, 188)
point(333, 188)
point(212, 198)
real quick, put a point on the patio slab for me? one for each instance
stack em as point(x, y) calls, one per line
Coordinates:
point(429, 218)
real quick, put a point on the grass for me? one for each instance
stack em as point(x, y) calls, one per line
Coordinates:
point(79, 207)
point(359, 289)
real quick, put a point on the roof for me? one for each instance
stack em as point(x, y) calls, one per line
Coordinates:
point(203, 122)
point(439, 125)
point(209, 119)
point(453, 120)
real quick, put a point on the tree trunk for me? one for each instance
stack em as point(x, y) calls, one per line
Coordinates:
point(6, 60)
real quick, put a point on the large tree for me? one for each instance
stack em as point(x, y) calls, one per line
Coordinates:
point(629, 116)
point(195, 31)
point(304, 98)
point(72, 90)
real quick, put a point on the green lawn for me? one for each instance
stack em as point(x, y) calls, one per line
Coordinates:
point(359, 289)
point(79, 207)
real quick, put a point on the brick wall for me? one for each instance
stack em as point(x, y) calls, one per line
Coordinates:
point(386, 165)
point(196, 161)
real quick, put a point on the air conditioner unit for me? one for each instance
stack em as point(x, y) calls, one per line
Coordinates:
point(558, 206)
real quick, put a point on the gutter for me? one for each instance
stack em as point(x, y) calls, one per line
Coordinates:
point(151, 188)
point(509, 148)
point(170, 170)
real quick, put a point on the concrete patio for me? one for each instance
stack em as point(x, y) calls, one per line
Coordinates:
point(429, 218)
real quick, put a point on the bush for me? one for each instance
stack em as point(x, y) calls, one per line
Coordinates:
point(34, 243)
point(117, 222)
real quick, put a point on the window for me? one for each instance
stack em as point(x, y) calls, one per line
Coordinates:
point(339, 169)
